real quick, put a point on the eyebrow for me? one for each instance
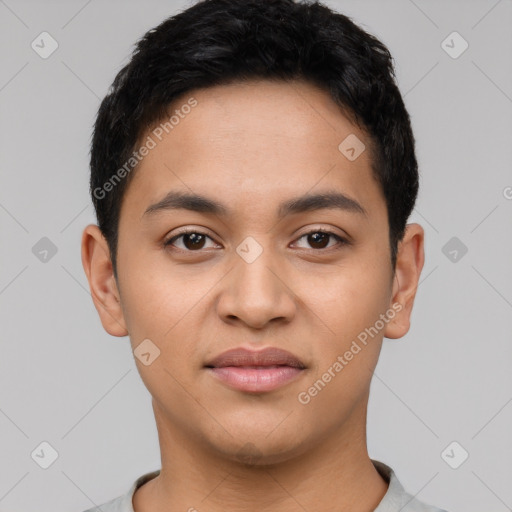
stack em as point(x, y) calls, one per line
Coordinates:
point(306, 203)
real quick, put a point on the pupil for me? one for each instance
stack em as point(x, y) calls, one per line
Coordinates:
point(194, 238)
point(314, 239)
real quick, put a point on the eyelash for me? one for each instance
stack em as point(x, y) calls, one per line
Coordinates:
point(341, 241)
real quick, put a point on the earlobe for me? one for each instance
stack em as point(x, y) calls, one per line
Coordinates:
point(104, 292)
point(409, 264)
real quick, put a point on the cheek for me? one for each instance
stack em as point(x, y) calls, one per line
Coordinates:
point(150, 306)
point(163, 306)
point(346, 358)
point(163, 311)
point(154, 298)
point(350, 304)
point(352, 298)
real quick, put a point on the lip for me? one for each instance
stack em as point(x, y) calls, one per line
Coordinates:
point(255, 371)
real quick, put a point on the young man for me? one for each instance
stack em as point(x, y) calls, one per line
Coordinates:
point(253, 170)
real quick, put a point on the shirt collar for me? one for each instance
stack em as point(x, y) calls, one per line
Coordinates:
point(392, 500)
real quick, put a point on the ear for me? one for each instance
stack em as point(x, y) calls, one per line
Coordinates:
point(104, 292)
point(409, 263)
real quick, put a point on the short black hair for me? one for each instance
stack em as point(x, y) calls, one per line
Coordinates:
point(217, 42)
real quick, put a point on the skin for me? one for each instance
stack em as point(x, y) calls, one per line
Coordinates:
point(252, 146)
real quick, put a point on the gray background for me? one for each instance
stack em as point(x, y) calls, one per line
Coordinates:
point(65, 381)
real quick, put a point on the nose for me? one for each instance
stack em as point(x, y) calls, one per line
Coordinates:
point(257, 293)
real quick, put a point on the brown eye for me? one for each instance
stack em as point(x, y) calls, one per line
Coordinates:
point(191, 241)
point(319, 239)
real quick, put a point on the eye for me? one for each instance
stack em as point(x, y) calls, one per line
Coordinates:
point(319, 239)
point(192, 240)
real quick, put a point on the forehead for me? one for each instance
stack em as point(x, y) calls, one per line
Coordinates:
point(257, 139)
point(281, 115)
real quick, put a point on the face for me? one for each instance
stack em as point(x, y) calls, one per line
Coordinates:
point(287, 249)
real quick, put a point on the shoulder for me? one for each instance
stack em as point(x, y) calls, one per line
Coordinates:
point(124, 503)
point(115, 505)
point(412, 504)
point(397, 498)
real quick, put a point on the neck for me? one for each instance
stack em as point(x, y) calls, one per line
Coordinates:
point(335, 475)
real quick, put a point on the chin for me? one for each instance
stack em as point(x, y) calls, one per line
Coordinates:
point(260, 448)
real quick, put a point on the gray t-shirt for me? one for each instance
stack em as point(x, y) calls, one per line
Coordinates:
point(396, 498)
